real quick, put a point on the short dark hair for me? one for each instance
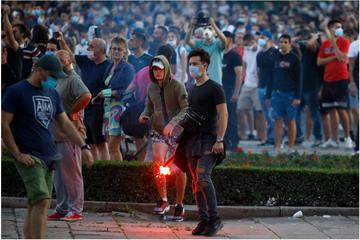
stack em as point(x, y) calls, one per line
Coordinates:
point(286, 36)
point(248, 37)
point(23, 29)
point(166, 50)
point(332, 22)
point(39, 34)
point(55, 42)
point(164, 30)
point(199, 52)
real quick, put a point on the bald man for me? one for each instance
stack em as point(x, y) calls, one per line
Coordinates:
point(93, 68)
point(68, 180)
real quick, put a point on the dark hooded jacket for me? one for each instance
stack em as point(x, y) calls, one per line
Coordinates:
point(172, 95)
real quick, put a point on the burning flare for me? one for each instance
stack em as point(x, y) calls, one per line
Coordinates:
point(165, 170)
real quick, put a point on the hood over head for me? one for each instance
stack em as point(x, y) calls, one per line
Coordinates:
point(165, 63)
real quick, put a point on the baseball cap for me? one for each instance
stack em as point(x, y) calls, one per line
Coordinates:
point(158, 63)
point(51, 63)
point(266, 33)
point(228, 34)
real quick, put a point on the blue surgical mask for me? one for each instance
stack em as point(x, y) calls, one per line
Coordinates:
point(49, 83)
point(253, 20)
point(194, 72)
point(74, 19)
point(49, 52)
point(261, 42)
point(339, 32)
point(40, 21)
point(83, 42)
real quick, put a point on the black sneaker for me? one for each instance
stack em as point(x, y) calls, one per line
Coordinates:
point(179, 213)
point(213, 227)
point(200, 228)
point(161, 207)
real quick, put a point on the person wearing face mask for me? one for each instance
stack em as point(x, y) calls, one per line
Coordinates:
point(333, 56)
point(118, 77)
point(214, 46)
point(264, 64)
point(174, 41)
point(52, 46)
point(166, 105)
point(28, 110)
point(93, 67)
point(81, 47)
point(68, 180)
point(200, 148)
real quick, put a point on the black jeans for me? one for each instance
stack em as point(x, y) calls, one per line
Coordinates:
point(202, 185)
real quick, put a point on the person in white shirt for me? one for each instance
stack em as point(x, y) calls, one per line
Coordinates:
point(249, 99)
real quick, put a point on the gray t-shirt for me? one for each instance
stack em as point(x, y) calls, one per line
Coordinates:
point(70, 90)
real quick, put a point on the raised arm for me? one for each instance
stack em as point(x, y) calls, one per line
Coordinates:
point(188, 37)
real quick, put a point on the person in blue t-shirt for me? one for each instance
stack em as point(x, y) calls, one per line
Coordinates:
point(28, 110)
point(93, 67)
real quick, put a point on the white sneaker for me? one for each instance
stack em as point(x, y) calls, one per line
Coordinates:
point(348, 143)
point(290, 151)
point(329, 144)
point(307, 143)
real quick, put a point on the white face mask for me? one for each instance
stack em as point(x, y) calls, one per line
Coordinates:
point(208, 34)
point(172, 42)
point(90, 55)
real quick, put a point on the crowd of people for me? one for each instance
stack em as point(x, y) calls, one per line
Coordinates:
point(271, 66)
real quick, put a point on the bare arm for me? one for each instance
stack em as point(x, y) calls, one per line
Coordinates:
point(183, 66)
point(351, 77)
point(64, 46)
point(14, 45)
point(188, 36)
point(222, 112)
point(324, 61)
point(218, 32)
point(238, 82)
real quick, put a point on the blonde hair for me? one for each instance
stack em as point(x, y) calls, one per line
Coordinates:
point(120, 40)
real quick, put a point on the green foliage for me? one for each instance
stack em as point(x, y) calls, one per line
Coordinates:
point(242, 179)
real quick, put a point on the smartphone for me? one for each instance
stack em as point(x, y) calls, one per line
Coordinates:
point(56, 34)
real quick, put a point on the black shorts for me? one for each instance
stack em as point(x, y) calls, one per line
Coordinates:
point(93, 120)
point(335, 95)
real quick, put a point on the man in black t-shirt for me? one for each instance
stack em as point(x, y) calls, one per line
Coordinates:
point(203, 148)
point(231, 80)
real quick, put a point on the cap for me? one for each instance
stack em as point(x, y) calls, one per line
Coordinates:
point(266, 33)
point(158, 63)
point(51, 63)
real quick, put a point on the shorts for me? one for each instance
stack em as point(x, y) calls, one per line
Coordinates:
point(281, 103)
point(111, 122)
point(159, 138)
point(353, 101)
point(335, 95)
point(93, 120)
point(38, 180)
point(249, 98)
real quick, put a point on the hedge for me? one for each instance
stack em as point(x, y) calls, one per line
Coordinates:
point(257, 186)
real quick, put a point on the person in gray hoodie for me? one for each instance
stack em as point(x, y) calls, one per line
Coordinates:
point(166, 106)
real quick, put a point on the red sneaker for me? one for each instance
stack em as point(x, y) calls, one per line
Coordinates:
point(72, 217)
point(56, 216)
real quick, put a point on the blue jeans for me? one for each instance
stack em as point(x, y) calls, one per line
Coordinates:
point(267, 110)
point(231, 135)
point(310, 99)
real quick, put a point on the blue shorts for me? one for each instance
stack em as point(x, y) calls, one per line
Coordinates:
point(281, 103)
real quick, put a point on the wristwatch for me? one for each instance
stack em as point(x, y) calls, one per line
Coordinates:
point(85, 146)
point(219, 140)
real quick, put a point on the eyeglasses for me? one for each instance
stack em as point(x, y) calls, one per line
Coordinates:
point(117, 49)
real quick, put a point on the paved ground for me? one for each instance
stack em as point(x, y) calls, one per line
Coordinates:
point(140, 225)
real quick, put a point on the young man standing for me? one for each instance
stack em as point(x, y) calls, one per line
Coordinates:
point(201, 149)
point(333, 56)
point(166, 105)
point(285, 88)
point(28, 109)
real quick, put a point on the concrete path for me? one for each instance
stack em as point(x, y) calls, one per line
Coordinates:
point(124, 225)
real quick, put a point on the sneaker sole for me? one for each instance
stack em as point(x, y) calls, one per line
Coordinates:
point(167, 209)
point(72, 220)
point(178, 220)
point(54, 219)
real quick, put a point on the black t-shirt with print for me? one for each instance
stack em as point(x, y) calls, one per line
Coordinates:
point(203, 100)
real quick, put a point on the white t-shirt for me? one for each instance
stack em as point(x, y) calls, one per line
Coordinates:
point(81, 50)
point(354, 49)
point(251, 78)
point(179, 51)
